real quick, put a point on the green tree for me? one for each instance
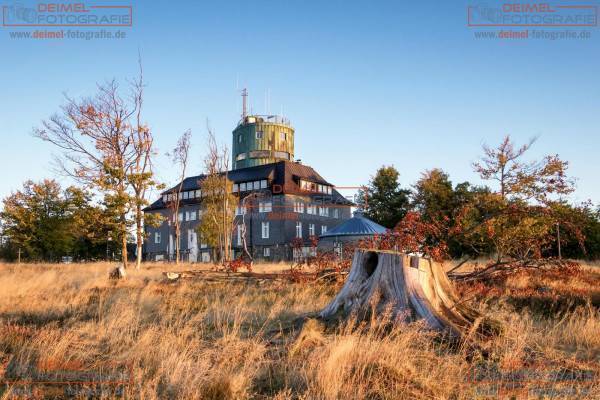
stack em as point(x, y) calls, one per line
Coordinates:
point(517, 218)
point(385, 202)
point(36, 220)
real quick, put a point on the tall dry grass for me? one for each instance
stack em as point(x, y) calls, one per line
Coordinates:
point(196, 339)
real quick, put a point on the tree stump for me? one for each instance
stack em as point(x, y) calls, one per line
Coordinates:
point(412, 287)
point(118, 272)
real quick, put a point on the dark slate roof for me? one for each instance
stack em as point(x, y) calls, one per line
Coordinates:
point(358, 225)
point(286, 174)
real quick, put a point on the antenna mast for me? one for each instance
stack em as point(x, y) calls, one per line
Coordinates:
point(244, 103)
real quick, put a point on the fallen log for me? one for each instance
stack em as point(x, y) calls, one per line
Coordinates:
point(412, 287)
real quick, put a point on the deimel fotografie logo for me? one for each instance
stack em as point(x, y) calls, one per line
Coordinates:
point(66, 14)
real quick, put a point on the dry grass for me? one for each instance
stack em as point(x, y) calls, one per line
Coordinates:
point(240, 340)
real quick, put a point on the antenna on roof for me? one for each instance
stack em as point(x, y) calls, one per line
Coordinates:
point(244, 103)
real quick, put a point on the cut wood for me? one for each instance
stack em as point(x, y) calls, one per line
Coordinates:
point(412, 287)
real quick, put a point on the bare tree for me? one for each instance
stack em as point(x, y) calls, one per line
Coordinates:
point(141, 176)
point(94, 135)
point(179, 156)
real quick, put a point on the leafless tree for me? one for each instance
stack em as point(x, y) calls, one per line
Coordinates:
point(141, 175)
point(180, 157)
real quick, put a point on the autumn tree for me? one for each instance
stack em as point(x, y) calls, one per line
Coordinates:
point(383, 200)
point(218, 201)
point(179, 156)
point(95, 138)
point(516, 218)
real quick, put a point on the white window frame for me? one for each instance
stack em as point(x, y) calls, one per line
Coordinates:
point(323, 229)
point(243, 187)
point(267, 252)
point(311, 229)
point(263, 184)
point(157, 237)
point(299, 229)
point(239, 234)
point(264, 229)
point(265, 206)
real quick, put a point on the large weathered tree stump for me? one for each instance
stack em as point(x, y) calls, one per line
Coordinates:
point(411, 287)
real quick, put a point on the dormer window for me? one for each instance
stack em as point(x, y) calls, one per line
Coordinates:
point(259, 134)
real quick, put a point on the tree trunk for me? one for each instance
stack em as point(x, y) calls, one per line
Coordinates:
point(412, 287)
point(139, 237)
point(124, 245)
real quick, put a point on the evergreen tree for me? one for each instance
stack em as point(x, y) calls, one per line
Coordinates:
point(385, 202)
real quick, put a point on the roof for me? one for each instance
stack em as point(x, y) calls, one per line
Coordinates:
point(358, 225)
point(286, 174)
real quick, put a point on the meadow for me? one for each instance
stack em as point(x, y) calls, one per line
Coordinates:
point(261, 340)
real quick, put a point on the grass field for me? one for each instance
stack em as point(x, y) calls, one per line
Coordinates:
point(240, 340)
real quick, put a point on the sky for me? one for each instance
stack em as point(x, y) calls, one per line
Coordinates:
point(365, 84)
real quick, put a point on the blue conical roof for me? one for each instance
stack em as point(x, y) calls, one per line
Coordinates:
point(355, 226)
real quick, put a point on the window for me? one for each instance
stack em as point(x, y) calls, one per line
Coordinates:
point(239, 234)
point(311, 229)
point(267, 252)
point(265, 230)
point(180, 217)
point(157, 237)
point(299, 207)
point(323, 229)
point(170, 197)
point(198, 193)
point(336, 213)
point(282, 136)
point(324, 211)
point(192, 216)
point(240, 139)
point(186, 195)
point(265, 206)
point(240, 210)
point(191, 238)
point(298, 229)
point(328, 189)
point(243, 187)
point(164, 198)
point(263, 184)
point(311, 209)
point(236, 187)
point(320, 189)
point(256, 185)
point(259, 134)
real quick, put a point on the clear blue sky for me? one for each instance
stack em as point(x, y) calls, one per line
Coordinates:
point(364, 83)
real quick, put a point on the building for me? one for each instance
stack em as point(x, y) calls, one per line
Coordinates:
point(290, 202)
point(349, 232)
